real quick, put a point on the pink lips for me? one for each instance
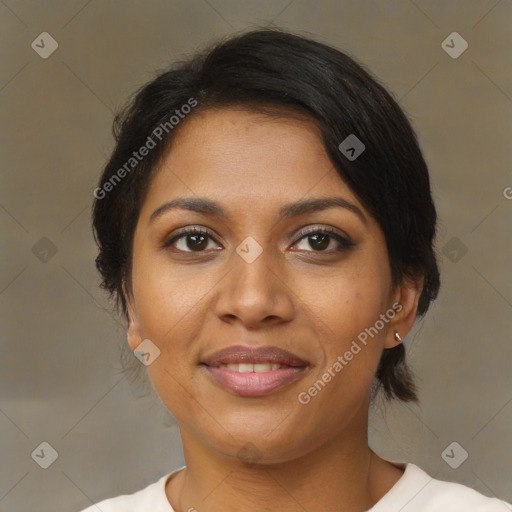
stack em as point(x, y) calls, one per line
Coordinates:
point(254, 383)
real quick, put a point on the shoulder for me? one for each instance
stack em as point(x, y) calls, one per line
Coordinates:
point(419, 492)
point(440, 494)
point(151, 498)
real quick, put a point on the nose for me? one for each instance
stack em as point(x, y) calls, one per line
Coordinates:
point(254, 293)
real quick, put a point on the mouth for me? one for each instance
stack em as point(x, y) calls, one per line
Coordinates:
point(250, 371)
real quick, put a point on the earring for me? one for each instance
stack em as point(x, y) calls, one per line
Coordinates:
point(397, 337)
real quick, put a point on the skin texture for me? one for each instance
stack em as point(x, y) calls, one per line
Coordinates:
point(312, 302)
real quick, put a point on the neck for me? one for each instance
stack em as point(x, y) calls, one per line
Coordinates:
point(341, 474)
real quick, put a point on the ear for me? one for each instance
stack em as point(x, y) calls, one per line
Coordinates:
point(133, 330)
point(407, 295)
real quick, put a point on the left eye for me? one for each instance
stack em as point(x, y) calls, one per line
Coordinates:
point(320, 240)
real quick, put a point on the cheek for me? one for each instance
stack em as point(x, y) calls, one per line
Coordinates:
point(347, 301)
point(168, 304)
point(168, 295)
point(346, 309)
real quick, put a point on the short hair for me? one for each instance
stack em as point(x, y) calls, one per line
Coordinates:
point(277, 69)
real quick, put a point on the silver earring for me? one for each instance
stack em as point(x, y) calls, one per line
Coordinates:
point(397, 337)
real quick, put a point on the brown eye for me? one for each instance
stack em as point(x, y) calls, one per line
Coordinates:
point(321, 238)
point(319, 241)
point(191, 240)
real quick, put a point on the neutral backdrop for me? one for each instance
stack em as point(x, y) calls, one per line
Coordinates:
point(61, 379)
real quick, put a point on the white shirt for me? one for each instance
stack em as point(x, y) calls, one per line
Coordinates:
point(416, 491)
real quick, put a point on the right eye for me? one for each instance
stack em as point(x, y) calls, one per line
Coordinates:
point(191, 240)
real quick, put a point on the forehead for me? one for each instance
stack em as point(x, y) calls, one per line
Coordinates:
point(231, 139)
point(233, 153)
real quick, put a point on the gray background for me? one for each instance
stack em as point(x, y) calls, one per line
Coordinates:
point(60, 365)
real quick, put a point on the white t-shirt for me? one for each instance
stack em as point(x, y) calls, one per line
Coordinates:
point(416, 491)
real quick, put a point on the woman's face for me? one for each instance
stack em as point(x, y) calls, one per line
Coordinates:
point(257, 279)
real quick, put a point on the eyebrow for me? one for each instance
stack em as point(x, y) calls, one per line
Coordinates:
point(206, 206)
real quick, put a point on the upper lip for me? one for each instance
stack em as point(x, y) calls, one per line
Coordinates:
point(245, 354)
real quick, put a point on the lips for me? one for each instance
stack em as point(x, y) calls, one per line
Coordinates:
point(254, 371)
point(254, 355)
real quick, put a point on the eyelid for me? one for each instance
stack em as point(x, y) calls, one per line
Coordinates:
point(323, 229)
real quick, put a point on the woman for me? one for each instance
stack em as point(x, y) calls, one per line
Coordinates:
point(266, 224)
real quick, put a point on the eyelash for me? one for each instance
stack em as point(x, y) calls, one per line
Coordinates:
point(345, 243)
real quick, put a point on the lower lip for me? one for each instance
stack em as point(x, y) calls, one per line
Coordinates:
point(255, 383)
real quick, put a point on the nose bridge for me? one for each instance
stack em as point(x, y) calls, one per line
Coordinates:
point(253, 289)
point(253, 274)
